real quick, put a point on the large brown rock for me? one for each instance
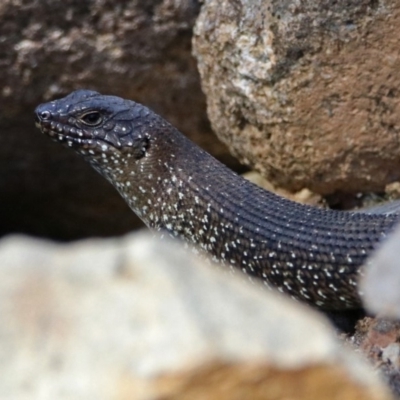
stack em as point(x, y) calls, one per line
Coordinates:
point(137, 319)
point(135, 49)
point(306, 92)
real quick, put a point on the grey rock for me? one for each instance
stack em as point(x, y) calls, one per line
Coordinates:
point(381, 281)
point(138, 319)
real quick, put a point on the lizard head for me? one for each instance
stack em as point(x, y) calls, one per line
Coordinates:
point(131, 146)
point(97, 126)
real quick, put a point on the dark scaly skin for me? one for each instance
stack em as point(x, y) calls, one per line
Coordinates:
point(313, 254)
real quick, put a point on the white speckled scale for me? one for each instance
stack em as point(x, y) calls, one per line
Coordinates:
point(313, 254)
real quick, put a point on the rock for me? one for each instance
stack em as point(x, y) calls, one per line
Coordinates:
point(137, 319)
point(381, 281)
point(393, 190)
point(377, 338)
point(304, 196)
point(138, 50)
point(305, 92)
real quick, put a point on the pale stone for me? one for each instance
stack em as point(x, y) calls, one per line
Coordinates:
point(140, 319)
point(381, 281)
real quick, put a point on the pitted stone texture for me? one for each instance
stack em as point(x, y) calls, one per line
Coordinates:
point(306, 92)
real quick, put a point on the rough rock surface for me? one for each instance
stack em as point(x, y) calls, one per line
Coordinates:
point(307, 92)
point(136, 319)
point(139, 49)
point(378, 339)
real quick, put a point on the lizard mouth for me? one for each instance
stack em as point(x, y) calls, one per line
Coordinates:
point(58, 133)
point(86, 137)
point(71, 136)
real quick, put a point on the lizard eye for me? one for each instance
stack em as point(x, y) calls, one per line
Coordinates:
point(92, 118)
